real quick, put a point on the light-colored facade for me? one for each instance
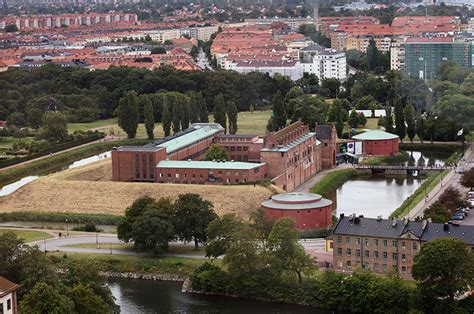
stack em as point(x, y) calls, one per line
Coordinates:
point(289, 68)
point(162, 35)
point(203, 33)
point(323, 62)
point(397, 56)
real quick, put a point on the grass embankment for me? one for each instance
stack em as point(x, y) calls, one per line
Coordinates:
point(59, 160)
point(96, 219)
point(27, 235)
point(433, 179)
point(386, 160)
point(174, 266)
point(334, 180)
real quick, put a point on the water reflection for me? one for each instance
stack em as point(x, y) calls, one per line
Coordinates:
point(373, 196)
point(147, 296)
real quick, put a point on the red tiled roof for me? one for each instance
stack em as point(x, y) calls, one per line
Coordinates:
point(6, 286)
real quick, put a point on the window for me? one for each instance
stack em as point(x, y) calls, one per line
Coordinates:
point(385, 243)
point(366, 241)
point(339, 239)
point(358, 253)
point(236, 173)
point(394, 256)
point(9, 304)
point(384, 268)
point(415, 246)
point(376, 267)
point(404, 257)
point(349, 265)
point(339, 251)
point(404, 245)
point(137, 166)
point(1, 308)
point(366, 266)
point(385, 255)
point(376, 255)
point(394, 243)
point(376, 242)
point(358, 241)
point(404, 269)
point(348, 239)
point(366, 254)
point(169, 175)
point(348, 252)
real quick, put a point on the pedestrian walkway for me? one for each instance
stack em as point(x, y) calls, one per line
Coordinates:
point(451, 179)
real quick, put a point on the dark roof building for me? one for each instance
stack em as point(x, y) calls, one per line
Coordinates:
point(383, 244)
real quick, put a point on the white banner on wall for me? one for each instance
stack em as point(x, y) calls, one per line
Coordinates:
point(358, 148)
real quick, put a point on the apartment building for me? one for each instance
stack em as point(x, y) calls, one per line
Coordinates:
point(203, 33)
point(162, 35)
point(397, 56)
point(323, 62)
point(289, 68)
point(384, 245)
point(424, 55)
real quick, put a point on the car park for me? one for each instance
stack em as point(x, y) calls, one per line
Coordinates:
point(465, 211)
point(457, 217)
point(460, 213)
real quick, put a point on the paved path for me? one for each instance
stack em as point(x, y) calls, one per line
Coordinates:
point(305, 187)
point(105, 139)
point(451, 179)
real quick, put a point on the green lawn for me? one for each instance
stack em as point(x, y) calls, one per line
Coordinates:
point(7, 142)
point(248, 123)
point(28, 235)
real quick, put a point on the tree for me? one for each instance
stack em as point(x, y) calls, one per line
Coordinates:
point(54, 127)
point(372, 55)
point(193, 214)
point(202, 107)
point(153, 229)
point(443, 269)
point(149, 117)
point(137, 209)
point(16, 119)
point(261, 222)
point(456, 107)
point(288, 254)
point(437, 212)
point(166, 117)
point(194, 52)
point(331, 87)
point(400, 128)
point(279, 117)
point(11, 28)
point(176, 115)
point(467, 179)
point(410, 120)
point(388, 120)
point(87, 301)
point(46, 299)
point(232, 115)
point(216, 152)
point(245, 255)
point(127, 113)
point(34, 118)
point(339, 126)
point(420, 126)
point(220, 111)
point(452, 199)
point(221, 233)
point(353, 119)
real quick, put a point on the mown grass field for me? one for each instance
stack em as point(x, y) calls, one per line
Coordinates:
point(27, 235)
point(248, 123)
point(89, 189)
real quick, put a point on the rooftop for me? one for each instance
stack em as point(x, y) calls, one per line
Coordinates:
point(197, 132)
point(224, 165)
point(6, 286)
point(292, 144)
point(296, 201)
point(375, 135)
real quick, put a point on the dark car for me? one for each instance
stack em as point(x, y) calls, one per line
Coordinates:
point(457, 217)
point(465, 211)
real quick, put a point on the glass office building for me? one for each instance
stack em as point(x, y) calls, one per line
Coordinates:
point(423, 56)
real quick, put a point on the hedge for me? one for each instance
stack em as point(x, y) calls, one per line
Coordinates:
point(334, 180)
point(51, 150)
point(97, 219)
point(61, 159)
point(451, 148)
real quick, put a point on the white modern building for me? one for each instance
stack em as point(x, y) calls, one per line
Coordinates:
point(323, 62)
point(289, 68)
point(397, 56)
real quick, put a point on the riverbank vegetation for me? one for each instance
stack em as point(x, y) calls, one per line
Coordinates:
point(334, 180)
point(401, 157)
point(96, 219)
point(59, 160)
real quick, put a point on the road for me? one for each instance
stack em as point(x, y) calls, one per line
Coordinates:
point(315, 247)
point(306, 186)
point(451, 180)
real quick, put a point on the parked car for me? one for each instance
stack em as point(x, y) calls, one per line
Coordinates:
point(470, 194)
point(465, 210)
point(460, 213)
point(457, 217)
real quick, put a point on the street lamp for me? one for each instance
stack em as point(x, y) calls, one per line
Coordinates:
point(67, 228)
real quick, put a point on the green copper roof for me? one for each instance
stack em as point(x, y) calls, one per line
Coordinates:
point(201, 132)
point(375, 135)
point(227, 165)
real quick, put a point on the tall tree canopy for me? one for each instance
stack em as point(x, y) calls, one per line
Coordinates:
point(127, 113)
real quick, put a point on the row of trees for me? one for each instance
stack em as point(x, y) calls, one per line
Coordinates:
point(151, 224)
point(264, 260)
point(77, 289)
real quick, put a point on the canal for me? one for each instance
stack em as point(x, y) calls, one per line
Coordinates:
point(149, 296)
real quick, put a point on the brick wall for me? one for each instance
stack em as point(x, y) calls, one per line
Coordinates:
point(381, 147)
point(304, 219)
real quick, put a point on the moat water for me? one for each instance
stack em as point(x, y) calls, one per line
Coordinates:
point(148, 296)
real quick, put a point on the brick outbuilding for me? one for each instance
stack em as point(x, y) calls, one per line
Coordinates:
point(378, 143)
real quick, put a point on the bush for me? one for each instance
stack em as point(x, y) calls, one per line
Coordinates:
point(98, 219)
point(87, 228)
point(210, 278)
point(316, 233)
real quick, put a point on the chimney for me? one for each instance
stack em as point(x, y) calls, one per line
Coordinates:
point(424, 223)
point(341, 216)
point(356, 220)
point(446, 227)
point(379, 218)
point(394, 222)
